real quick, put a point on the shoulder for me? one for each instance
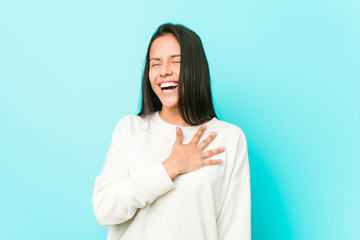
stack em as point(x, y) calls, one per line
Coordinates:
point(128, 119)
point(229, 129)
point(230, 134)
point(129, 122)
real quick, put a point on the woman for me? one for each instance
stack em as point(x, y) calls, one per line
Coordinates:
point(167, 174)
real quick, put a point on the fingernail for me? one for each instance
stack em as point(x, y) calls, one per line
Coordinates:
point(213, 134)
point(177, 129)
point(203, 126)
point(222, 148)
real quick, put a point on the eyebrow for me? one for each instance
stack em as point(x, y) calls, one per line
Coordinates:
point(172, 56)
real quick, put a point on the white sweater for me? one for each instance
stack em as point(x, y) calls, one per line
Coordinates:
point(137, 199)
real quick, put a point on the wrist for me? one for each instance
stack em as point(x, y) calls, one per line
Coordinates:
point(170, 168)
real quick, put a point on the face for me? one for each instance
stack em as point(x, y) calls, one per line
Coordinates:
point(164, 69)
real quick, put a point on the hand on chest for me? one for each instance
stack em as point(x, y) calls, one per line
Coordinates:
point(158, 147)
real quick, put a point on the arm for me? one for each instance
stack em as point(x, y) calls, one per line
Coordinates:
point(234, 221)
point(122, 188)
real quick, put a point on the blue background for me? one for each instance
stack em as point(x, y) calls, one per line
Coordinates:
point(286, 72)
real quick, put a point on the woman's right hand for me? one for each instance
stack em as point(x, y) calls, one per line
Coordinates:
point(189, 157)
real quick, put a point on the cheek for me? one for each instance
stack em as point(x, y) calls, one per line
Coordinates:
point(152, 76)
point(176, 69)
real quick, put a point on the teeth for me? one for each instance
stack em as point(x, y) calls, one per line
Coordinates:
point(168, 84)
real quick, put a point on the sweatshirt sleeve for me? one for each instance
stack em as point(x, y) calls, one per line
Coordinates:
point(122, 188)
point(234, 221)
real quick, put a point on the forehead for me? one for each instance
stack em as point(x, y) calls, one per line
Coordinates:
point(164, 46)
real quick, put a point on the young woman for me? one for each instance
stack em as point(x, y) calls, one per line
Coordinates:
point(175, 171)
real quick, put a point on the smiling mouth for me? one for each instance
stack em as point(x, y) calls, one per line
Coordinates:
point(168, 87)
point(168, 90)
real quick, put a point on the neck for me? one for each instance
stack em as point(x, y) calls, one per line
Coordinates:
point(172, 116)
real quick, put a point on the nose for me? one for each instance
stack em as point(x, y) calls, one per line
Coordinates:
point(165, 69)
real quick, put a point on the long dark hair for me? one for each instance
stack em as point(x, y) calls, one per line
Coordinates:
point(195, 100)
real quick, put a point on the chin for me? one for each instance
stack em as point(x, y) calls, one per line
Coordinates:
point(169, 102)
point(169, 105)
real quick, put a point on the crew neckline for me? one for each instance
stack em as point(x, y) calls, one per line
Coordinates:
point(172, 127)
